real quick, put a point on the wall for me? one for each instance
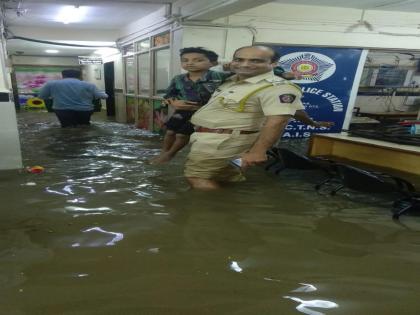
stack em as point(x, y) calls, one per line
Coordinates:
point(224, 41)
point(10, 154)
point(95, 75)
point(316, 25)
point(44, 61)
point(63, 33)
point(144, 26)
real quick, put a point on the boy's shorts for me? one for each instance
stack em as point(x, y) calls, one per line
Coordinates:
point(180, 123)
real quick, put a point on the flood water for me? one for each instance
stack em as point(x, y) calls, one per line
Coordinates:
point(103, 232)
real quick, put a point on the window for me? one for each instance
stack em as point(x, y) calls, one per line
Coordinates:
point(162, 58)
point(161, 40)
point(144, 73)
point(128, 50)
point(130, 75)
point(366, 77)
point(391, 77)
point(147, 68)
point(143, 46)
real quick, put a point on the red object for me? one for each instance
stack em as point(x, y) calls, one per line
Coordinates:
point(409, 122)
point(35, 169)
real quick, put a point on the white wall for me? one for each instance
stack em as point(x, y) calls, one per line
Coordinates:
point(45, 61)
point(95, 75)
point(224, 41)
point(62, 33)
point(316, 25)
point(144, 26)
point(10, 154)
point(119, 73)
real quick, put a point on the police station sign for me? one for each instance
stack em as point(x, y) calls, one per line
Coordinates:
point(326, 76)
point(89, 60)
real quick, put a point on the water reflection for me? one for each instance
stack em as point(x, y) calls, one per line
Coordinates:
point(116, 237)
point(77, 211)
point(306, 287)
point(304, 306)
point(70, 189)
point(235, 266)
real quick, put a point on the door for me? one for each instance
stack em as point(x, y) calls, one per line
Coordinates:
point(109, 88)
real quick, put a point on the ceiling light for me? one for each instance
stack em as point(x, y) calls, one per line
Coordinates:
point(106, 51)
point(51, 51)
point(71, 14)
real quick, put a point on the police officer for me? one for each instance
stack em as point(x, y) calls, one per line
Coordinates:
point(243, 119)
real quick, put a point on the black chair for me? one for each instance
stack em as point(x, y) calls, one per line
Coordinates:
point(404, 205)
point(281, 158)
point(376, 182)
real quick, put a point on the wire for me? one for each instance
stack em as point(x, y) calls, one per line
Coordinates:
point(54, 43)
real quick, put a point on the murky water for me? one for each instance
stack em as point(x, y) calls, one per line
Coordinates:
point(103, 232)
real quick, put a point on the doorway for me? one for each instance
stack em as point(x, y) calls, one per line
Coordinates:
point(109, 88)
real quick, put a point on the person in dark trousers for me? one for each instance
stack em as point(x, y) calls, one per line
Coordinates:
point(72, 98)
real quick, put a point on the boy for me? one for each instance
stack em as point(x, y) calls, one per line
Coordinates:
point(188, 92)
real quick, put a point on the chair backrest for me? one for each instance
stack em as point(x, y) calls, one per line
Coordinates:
point(364, 181)
point(296, 161)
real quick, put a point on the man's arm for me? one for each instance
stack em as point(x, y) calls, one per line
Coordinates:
point(270, 133)
point(99, 94)
point(45, 92)
point(302, 116)
point(181, 104)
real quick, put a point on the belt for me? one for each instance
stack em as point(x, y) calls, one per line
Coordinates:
point(222, 130)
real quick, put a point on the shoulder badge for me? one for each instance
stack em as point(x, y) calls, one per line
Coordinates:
point(287, 98)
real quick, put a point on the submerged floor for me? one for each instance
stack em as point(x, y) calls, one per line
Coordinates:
point(103, 232)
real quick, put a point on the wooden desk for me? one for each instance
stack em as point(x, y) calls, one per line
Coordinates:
point(383, 154)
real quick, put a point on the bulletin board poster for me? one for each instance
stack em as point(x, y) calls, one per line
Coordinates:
point(326, 76)
point(29, 80)
point(144, 114)
point(130, 106)
point(160, 116)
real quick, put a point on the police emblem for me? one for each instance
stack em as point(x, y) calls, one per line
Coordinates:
point(309, 66)
point(287, 98)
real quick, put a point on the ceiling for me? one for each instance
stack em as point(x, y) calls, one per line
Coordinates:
point(109, 16)
point(383, 5)
point(99, 15)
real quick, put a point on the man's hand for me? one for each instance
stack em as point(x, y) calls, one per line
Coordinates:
point(326, 124)
point(251, 159)
point(181, 104)
point(270, 133)
point(291, 76)
point(226, 67)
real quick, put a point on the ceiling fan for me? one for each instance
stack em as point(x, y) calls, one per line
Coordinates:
point(361, 23)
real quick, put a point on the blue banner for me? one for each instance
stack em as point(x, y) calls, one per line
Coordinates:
point(326, 76)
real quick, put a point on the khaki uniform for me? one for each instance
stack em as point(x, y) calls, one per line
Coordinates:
point(264, 95)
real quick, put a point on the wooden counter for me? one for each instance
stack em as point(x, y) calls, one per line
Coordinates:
point(404, 158)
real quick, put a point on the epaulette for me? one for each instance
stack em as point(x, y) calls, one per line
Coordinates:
point(295, 85)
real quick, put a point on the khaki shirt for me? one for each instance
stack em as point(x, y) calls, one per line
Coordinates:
point(281, 98)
